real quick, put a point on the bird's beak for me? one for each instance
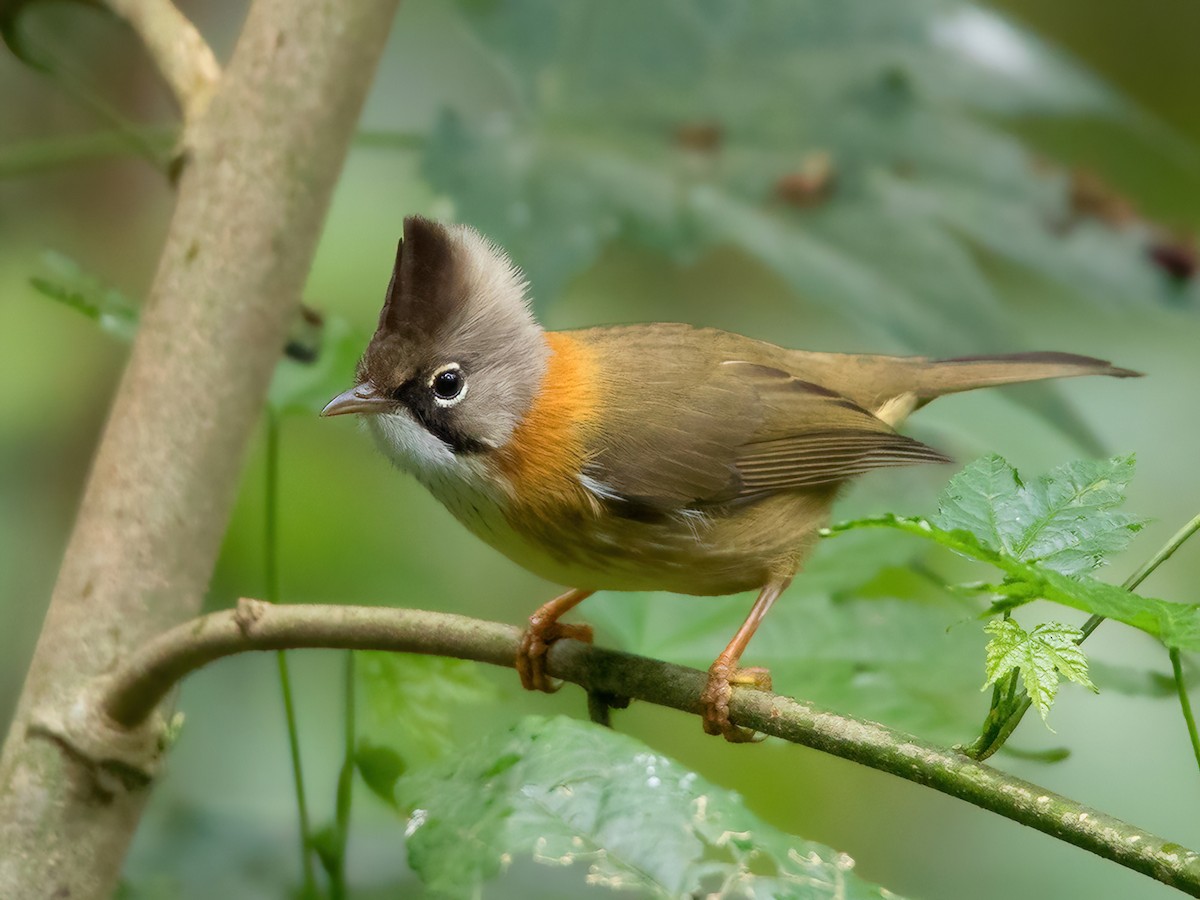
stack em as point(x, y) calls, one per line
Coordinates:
point(361, 398)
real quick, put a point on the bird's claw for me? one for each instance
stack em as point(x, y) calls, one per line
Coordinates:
point(716, 696)
point(531, 652)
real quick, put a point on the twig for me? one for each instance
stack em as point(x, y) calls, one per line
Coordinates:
point(135, 689)
point(180, 53)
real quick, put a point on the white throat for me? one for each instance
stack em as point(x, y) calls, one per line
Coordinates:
point(410, 446)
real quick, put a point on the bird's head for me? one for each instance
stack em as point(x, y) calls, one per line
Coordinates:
point(457, 359)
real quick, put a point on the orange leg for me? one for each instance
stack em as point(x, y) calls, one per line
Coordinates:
point(544, 629)
point(724, 671)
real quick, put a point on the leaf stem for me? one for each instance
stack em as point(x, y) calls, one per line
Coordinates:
point(1002, 717)
point(289, 711)
point(1166, 552)
point(345, 787)
point(1184, 703)
point(271, 560)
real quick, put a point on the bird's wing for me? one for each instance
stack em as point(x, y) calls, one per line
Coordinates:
point(688, 426)
point(810, 436)
point(671, 425)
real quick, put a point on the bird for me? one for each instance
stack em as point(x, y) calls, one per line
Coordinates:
point(644, 457)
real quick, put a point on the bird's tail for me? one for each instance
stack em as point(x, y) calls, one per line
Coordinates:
point(948, 376)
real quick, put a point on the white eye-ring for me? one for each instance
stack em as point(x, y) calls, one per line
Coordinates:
point(449, 385)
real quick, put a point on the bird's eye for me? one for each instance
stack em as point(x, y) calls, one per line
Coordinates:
point(449, 385)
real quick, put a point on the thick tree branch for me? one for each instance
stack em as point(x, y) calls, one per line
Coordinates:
point(129, 696)
point(182, 56)
point(263, 160)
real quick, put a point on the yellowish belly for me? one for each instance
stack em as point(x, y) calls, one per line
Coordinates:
point(723, 552)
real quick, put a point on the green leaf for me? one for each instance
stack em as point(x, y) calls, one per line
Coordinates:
point(67, 283)
point(566, 792)
point(889, 659)
point(589, 148)
point(379, 767)
point(1175, 624)
point(1042, 655)
point(1090, 258)
point(1066, 521)
point(412, 702)
point(858, 631)
point(328, 847)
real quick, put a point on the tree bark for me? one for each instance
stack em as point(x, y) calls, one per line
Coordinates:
point(261, 165)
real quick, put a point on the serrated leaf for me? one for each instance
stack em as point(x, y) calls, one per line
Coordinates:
point(592, 149)
point(936, 48)
point(1066, 521)
point(1088, 257)
point(1042, 655)
point(1175, 624)
point(1005, 651)
point(411, 702)
point(981, 502)
point(571, 792)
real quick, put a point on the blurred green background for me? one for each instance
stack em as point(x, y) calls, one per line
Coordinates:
point(222, 821)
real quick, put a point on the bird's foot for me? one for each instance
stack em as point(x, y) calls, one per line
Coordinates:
point(531, 652)
point(721, 678)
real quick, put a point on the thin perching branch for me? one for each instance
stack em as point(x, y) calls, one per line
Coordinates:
point(129, 696)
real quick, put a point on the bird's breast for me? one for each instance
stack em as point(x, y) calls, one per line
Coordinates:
point(543, 461)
